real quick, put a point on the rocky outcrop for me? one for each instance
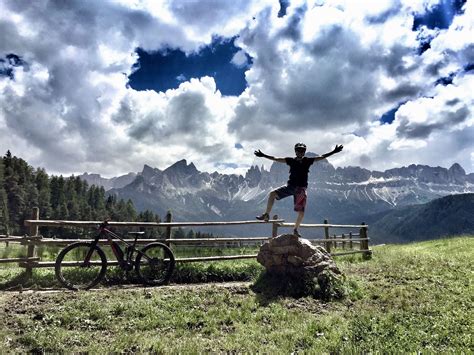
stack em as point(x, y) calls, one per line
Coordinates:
point(297, 262)
point(287, 254)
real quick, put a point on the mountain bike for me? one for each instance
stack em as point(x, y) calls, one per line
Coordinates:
point(82, 265)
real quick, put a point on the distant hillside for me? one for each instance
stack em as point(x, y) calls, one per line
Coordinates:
point(108, 183)
point(449, 215)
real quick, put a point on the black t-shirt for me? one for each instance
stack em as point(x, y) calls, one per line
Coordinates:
point(299, 170)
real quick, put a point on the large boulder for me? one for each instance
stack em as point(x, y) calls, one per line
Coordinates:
point(295, 260)
point(287, 254)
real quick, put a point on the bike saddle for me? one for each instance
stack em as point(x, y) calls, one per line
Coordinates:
point(136, 233)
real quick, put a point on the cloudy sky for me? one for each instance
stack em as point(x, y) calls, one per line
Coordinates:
point(107, 86)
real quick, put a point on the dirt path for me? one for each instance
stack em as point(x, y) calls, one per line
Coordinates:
point(236, 284)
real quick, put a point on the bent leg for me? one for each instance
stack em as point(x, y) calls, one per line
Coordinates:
point(300, 205)
point(271, 199)
point(299, 219)
point(277, 194)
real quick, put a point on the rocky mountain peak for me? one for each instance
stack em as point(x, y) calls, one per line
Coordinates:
point(457, 169)
point(181, 167)
point(456, 173)
point(253, 175)
point(149, 172)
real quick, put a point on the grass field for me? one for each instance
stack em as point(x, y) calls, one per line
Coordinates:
point(408, 298)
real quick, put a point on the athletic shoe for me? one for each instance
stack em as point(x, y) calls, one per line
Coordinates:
point(263, 217)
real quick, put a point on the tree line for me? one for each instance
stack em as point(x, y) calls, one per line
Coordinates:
point(23, 187)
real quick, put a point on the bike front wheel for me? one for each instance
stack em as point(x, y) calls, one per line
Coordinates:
point(80, 266)
point(155, 264)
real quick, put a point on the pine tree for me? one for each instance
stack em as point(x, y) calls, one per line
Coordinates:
point(179, 233)
point(44, 193)
point(131, 213)
point(22, 188)
point(16, 197)
point(3, 202)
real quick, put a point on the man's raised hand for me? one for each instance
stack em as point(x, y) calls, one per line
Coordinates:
point(338, 148)
point(259, 153)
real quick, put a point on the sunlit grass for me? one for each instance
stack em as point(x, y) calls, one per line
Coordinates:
point(406, 299)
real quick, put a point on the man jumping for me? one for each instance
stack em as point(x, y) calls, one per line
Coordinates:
point(297, 183)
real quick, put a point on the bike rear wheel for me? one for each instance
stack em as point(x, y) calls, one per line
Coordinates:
point(155, 264)
point(75, 272)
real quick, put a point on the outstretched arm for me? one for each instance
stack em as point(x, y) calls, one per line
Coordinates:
point(337, 149)
point(260, 154)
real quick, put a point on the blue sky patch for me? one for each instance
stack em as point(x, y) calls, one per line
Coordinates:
point(424, 46)
point(8, 63)
point(445, 80)
point(469, 67)
point(283, 6)
point(165, 70)
point(389, 116)
point(439, 16)
point(238, 146)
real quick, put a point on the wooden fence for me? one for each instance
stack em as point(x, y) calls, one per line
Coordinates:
point(332, 242)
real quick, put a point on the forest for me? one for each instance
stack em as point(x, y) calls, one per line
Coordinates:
point(23, 187)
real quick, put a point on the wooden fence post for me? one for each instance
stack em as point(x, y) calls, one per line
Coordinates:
point(168, 219)
point(364, 244)
point(33, 232)
point(326, 235)
point(343, 242)
point(275, 227)
point(350, 243)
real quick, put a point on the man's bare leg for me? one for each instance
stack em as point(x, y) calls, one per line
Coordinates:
point(271, 199)
point(266, 215)
point(299, 219)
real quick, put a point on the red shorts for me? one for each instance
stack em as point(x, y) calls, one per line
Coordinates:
point(298, 193)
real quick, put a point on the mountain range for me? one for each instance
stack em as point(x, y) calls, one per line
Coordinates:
point(341, 195)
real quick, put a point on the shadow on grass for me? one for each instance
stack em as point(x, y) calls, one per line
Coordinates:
point(15, 279)
point(326, 287)
point(215, 272)
point(20, 280)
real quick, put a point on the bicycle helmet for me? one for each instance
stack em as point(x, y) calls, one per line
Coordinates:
point(300, 146)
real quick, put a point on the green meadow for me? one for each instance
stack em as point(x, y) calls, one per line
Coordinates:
point(407, 298)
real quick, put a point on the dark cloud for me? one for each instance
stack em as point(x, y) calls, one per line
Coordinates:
point(384, 16)
point(125, 114)
point(409, 129)
point(292, 29)
point(458, 116)
point(416, 131)
point(337, 85)
point(453, 102)
point(188, 112)
point(210, 16)
point(403, 91)
point(393, 61)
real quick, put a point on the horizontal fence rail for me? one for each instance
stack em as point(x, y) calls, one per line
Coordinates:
point(50, 223)
point(323, 225)
point(34, 240)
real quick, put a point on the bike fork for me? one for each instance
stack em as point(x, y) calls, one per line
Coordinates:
point(88, 257)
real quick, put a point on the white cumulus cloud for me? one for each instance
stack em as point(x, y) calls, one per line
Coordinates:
point(324, 74)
